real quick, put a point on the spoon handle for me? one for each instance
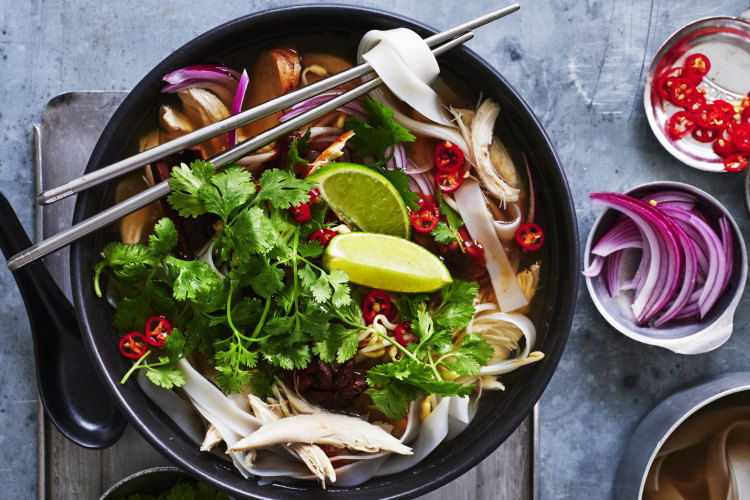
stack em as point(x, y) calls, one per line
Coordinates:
point(71, 391)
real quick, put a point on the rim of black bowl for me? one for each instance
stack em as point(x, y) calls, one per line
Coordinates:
point(498, 414)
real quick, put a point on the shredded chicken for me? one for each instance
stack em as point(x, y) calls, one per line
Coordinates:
point(213, 437)
point(478, 130)
point(312, 455)
point(341, 431)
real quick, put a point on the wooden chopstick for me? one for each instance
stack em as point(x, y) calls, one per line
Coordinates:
point(186, 141)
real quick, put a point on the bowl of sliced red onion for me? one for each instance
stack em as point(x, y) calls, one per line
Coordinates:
point(665, 264)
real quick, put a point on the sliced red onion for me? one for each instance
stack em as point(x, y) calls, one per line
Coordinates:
point(660, 281)
point(595, 267)
point(624, 234)
point(613, 267)
point(688, 277)
point(727, 244)
point(220, 80)
point(239, 97)
point(351, 108)
point(424, 184)
point(689, 281)
point(717, 258)
point(413, 167)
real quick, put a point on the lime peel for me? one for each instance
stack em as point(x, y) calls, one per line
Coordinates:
point(386, 262)
point(363, 198)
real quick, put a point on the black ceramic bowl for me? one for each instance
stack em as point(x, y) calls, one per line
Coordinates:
point(499, 413)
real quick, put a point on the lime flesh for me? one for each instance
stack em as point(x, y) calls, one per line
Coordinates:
point(363, 199)
point(386, 262)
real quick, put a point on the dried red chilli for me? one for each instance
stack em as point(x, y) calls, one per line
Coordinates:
point(448, 182)
point(448, 157)
point(530, 236)
point(322, 236)
point(375, 302)
point(426, 218)
point(157, 329)
point(133, 345)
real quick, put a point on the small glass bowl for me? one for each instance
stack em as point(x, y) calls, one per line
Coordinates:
point(685, 336)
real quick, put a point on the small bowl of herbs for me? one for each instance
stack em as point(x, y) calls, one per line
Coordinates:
point(161, 483)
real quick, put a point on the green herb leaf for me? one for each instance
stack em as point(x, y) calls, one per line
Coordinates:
point(186, 181)
point(227, 191)
point(164, 239)
point(165, 376)
point(398, 178)
point(382, 131)
point(281, 189)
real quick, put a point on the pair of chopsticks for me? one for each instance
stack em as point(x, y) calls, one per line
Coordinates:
point(449, 39)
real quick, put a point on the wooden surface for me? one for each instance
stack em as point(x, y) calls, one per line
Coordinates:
point(68, 471)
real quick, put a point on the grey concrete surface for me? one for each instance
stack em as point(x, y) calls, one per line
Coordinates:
point(579, 64)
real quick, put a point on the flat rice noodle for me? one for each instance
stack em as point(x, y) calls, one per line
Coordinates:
point(706, 457)
point(478, 220)
point(174, 406)
point(407, 66)
point(434, 430)
point(506, 229)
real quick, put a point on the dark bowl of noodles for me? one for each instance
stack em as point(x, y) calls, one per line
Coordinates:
point(499, 413)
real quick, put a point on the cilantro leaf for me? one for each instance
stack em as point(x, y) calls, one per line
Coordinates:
point(382, 131)
point(174, 344)
point(250, 233)
point(227, 191)
point(281, 189)
point(186, 181)
point(443, 233)
point(193, 279)
point(258, 273)
point(393, 384)
point(165, 376)
point(298, 150)
point(398, 178)
point(164, 239)
point(474, 353)
point(339, 345)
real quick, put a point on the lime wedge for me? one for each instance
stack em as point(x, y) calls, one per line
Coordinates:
point(386, 262)
point(363, 199)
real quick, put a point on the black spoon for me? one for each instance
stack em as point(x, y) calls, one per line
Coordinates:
point(74, 397)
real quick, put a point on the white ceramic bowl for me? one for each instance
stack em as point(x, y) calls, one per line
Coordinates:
point(688, 336)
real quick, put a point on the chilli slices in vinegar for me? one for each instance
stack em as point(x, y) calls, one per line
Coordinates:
point(226, 300)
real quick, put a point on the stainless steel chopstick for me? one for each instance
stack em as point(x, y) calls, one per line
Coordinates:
point(153, 193)
point(235, 121)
